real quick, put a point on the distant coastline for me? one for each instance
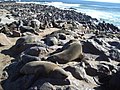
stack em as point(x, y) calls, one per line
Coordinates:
point(108, 12)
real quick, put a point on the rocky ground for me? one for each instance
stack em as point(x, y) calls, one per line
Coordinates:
point(32, 32)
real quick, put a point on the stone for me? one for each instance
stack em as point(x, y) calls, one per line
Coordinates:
point(91, 71)
point(35, 23)
point(70, 87)
point(24, 43)
point(94, 46)
point(4, 40)
point(28, 29)
point(44, 86)
point(5, 30)
point(62, 36)
point(16, 33)
point(27, 39)
point(115, 43)
point(77, 72)
point(36, 51)
point(114, 54)
point(28, 58)
point(50, 41)
point(114, 82)
point(104, 74)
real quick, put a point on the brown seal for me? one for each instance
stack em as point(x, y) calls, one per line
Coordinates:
point(44, 69)
point(70, 51)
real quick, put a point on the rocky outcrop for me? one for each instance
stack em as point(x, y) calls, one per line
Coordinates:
point(4, 40)
point(87, 53)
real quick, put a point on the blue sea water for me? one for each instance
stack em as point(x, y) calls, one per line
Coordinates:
point(109, 12)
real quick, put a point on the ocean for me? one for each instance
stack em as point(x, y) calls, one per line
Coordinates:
point(109, 12)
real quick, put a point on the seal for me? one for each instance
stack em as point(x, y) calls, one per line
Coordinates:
point(70, 51)
point(44, 69)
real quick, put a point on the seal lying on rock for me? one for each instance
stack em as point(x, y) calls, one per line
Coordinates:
point(70, 51)
point(45, 69)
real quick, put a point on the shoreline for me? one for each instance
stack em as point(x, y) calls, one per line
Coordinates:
point(77, 8)
point(86, 50)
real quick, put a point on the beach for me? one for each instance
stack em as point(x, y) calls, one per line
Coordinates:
point(83, 47)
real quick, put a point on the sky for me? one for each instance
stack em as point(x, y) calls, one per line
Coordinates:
point(112, 1)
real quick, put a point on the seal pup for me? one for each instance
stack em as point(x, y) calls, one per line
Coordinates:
point(70, 51)
point(44, 69)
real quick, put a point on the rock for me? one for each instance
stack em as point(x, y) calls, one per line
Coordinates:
point(114, 82)
point(35, 23)
point(13, 26)
point(1, 87)
point(50, 41)
point(27, 39)
point(80, 74)
point(116, 44)
point(70, 87)
point(111, 66)
point(77, 72)
point(36, 51)
point(24, 43)
point(95, 46)
point(91, 71)
point(27, 29)
point(62, 42)
point(4, 40)
point(28, 58)
point(55, 24)
point(52, 81)
point(14, 69)
point(5, 30)
point(104, 74)
point(41, 84)
point(44, 86)
point(114, 54)
point(62, 36)
point(16, 33)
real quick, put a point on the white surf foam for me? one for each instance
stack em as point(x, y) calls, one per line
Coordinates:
point(62, 5)
point(109, 17)
point(109, 1)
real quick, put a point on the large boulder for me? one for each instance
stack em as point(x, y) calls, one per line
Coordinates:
point(16, 33)
point(5, 30)
point(44, 86)
point(50, 41)
point(96, 46)
point(36, 51)
point(24, 29)
point(4, 40)
point(24, 43)
point(34, 23)
point(114, 82)
point(77, 72)
point(114, 54)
